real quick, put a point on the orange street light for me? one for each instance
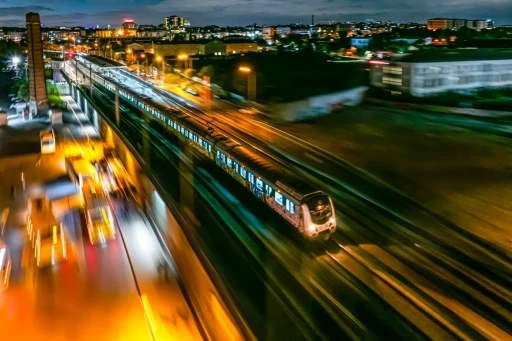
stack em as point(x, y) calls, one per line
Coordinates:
point(129, 51)
point(244, 69)
point(182, 56)
point(159, 58)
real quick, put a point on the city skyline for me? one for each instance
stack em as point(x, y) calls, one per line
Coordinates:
point(229, 13)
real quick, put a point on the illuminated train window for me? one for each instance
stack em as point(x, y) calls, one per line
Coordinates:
point(290, 206)
point(279, 198)
point(259, 184)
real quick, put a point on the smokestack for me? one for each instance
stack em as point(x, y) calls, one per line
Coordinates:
point(312, 20)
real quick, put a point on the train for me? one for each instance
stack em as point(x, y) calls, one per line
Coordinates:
point(308, 209)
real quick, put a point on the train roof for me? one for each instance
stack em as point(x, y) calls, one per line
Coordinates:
point(264, 166)
point(273, 171)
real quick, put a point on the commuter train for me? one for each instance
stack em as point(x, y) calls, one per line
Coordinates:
point(309, 210)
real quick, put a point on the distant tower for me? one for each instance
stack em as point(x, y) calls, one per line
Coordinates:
point(37, 83)
point(312, 20)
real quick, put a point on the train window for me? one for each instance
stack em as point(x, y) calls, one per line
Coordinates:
point(251, 178)
point(235, 166)
point(290, 206)
point(209, 148)
point(243, 172)
point(269, 190)
point(230, 162)
point(223, 157)
point(200, 142)
point(279, 198)
point(259, 184)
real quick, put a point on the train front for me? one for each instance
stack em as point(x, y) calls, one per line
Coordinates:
point(319, 217)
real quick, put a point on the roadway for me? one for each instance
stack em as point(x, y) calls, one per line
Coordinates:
point(395, 247)
point(94, 293)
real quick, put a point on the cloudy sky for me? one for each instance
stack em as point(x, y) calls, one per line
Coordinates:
point(90, 13)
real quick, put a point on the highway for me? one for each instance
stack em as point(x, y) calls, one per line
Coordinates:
point(96, 293)
point(434, 274)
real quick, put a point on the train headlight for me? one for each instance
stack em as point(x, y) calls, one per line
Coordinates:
point(312, 228)
point(332, 220)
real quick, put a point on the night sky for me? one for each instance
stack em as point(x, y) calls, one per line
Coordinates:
point(243, 12)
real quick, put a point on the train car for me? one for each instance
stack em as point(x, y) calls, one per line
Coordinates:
point(309, 210)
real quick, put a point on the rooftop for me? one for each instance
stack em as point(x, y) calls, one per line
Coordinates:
point(102, 62)
point(453, 55)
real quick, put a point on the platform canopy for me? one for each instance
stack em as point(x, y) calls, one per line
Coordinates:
point(102, 62)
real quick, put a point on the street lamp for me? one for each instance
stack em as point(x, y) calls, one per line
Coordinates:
point(129, 52)
point(251, 82)
point(187, 63)
point(163, 69)
point(146, 61)
point(138, 67)
point(15, 60)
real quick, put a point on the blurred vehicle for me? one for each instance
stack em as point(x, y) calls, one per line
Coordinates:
point(250, 111)
point(12, 95)
point(45, 234)
point(81, 170)
point(4, 118)
point(98, 215)
point(47, 141)
point(192, 92)
point(50, 246)
point(5, 265)
point(14, 99)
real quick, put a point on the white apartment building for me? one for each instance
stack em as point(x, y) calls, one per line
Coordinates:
point(431, 72)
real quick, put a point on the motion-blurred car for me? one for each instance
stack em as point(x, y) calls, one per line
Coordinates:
point(250, 111)
point(51, 247)
point(192, 92)
point(5, 265)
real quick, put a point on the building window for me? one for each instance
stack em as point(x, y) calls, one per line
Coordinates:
point(392, 81)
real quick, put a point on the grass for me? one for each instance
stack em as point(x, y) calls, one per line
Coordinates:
point(53, 94)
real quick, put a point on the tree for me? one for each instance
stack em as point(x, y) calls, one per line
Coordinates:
point(210, 71)
point(379, 42)
point(21, 88)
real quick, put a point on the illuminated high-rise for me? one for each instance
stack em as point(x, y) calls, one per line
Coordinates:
point(174, 22)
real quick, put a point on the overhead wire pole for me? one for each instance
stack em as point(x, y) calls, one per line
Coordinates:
point(90, 79)
point(118, 118)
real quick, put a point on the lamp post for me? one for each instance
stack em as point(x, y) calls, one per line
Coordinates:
point(186, 61)
point(162, 75)
point(128, 53)
point(251, 82)
point(143, 56)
